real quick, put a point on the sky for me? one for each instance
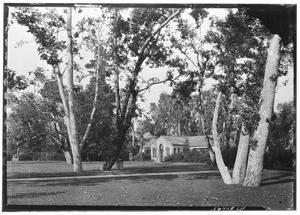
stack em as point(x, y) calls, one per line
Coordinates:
point(24, 59)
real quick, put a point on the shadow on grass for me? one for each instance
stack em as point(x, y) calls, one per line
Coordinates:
point(93, 181)
point(280, 178)
point(165, 167)
point(33, 195)
point(205, 176)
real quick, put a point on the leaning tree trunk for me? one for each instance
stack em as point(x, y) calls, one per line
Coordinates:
point(68, 156)
point(239, 170)
point(257, 150)
point(220, 163)
point(237, 134)
point(73, 136)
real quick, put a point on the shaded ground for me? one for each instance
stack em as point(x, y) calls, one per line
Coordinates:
point(40, 169)
point(193, 191)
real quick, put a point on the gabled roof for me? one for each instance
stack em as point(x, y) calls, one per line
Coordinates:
point(194, 141)
point(176, 141)
point(197, 141)
point(148, 144)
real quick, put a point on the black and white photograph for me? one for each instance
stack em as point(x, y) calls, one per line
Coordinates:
point(149, 106)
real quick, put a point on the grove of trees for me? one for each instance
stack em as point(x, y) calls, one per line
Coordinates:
point(244, 53)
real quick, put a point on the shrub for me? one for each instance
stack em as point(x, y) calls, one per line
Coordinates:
point(51, 156)
point(29, 156)
point(145, 157)
point(229, 155)
point(279, 159)
point(188, 156)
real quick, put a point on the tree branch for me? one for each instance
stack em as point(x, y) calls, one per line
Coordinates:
point(158, 82)
point(140, 61)
point(88, 128)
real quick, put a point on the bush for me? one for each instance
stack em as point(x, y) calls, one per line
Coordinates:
point(29, 156)
point(279, 159)
point(188, 156)
point(145, 157)
point(51, 156)
point(229, 155)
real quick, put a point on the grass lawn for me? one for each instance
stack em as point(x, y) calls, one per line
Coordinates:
point(37, 169)
point(192, 191)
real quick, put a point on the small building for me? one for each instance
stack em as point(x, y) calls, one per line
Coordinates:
point(147, 147)
point(165, 146)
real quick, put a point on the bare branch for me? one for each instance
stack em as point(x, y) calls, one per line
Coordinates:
point(158, 82)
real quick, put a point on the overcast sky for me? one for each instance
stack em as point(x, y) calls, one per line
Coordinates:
point(25, 59)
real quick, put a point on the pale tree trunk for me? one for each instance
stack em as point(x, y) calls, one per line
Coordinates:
point(237, 134)
point(256, 155)
point(64, 144)
point(141, 151)
point(239, 170)
point(220, 163)
point(88, 128)
point(68, 156)
point(201, 116)
point(73, 137)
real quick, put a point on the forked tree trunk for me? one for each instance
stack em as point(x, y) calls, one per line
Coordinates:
point(125, 112)
point(239, 170)
point(220, 163)
point(257, 151)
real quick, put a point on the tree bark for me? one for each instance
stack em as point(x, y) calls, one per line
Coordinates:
point(125, 112)
point(68, 156)
point(239, 170)
point(201, 116)
point(237, 134)
point(73, 137)
point(220, 163)
point(88, 128)
point(257, 151)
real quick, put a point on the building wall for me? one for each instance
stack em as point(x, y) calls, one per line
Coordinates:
point(167, 149)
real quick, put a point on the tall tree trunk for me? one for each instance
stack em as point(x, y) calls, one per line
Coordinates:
point(88, 128)
point(204, 131)
point(220, 163)
point(237, 134)
point(257, 151)
point(125, 112)
point(179, 129)
point(68, 156)
point(73, 137)
point(239, 170)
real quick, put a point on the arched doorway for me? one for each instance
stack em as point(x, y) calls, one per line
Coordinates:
point(161, 153)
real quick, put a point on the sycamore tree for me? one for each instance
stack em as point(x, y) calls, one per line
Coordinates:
point(239, 44)
point(135, 40)
point(47, 27)
point(258, 106)
point(281, 22)
point(190, 43)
